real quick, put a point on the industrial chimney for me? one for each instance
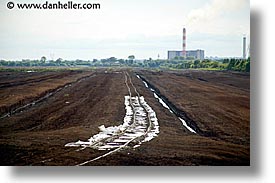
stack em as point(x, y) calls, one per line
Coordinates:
point(184, 43)
point(244, 47)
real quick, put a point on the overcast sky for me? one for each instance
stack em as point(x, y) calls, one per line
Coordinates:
point(144, 28)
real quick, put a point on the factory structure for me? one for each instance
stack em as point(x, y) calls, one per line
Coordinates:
point(196, 54)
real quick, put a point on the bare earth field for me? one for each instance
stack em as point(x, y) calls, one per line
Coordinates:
point(45, 114)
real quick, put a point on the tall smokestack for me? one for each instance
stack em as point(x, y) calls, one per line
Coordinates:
point(244, 47)
point(184, 43)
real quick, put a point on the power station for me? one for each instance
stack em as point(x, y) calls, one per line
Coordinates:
point(196, 54)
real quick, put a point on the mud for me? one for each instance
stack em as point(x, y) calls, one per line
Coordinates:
point(179, 113)
point(219, 106)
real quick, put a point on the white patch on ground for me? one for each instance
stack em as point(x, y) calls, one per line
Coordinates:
point(154, 129)
point(162, 103)
point(167, 107)
point(184, 124)
point(136, 146)
point(135, 128)
point(145, 84)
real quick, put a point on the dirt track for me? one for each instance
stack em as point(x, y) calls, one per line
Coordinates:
point(217, 101)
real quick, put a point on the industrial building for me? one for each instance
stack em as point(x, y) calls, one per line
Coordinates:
point(196, 54)
point(173, 54)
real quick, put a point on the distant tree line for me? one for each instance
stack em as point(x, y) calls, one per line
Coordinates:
point(238, 64)
point(233, 64)
point(44, 62)
point(242, 65)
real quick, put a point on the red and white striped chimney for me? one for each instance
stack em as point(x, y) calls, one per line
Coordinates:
point(184, 43)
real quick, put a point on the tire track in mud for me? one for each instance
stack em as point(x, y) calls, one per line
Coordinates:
point(140, 125)
point(149, 119)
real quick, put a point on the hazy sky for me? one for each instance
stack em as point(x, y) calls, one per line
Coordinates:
point(144, 28)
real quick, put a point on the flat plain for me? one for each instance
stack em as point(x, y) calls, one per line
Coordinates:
point(194, 117)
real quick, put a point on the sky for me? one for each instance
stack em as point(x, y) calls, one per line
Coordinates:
point(144, 28)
